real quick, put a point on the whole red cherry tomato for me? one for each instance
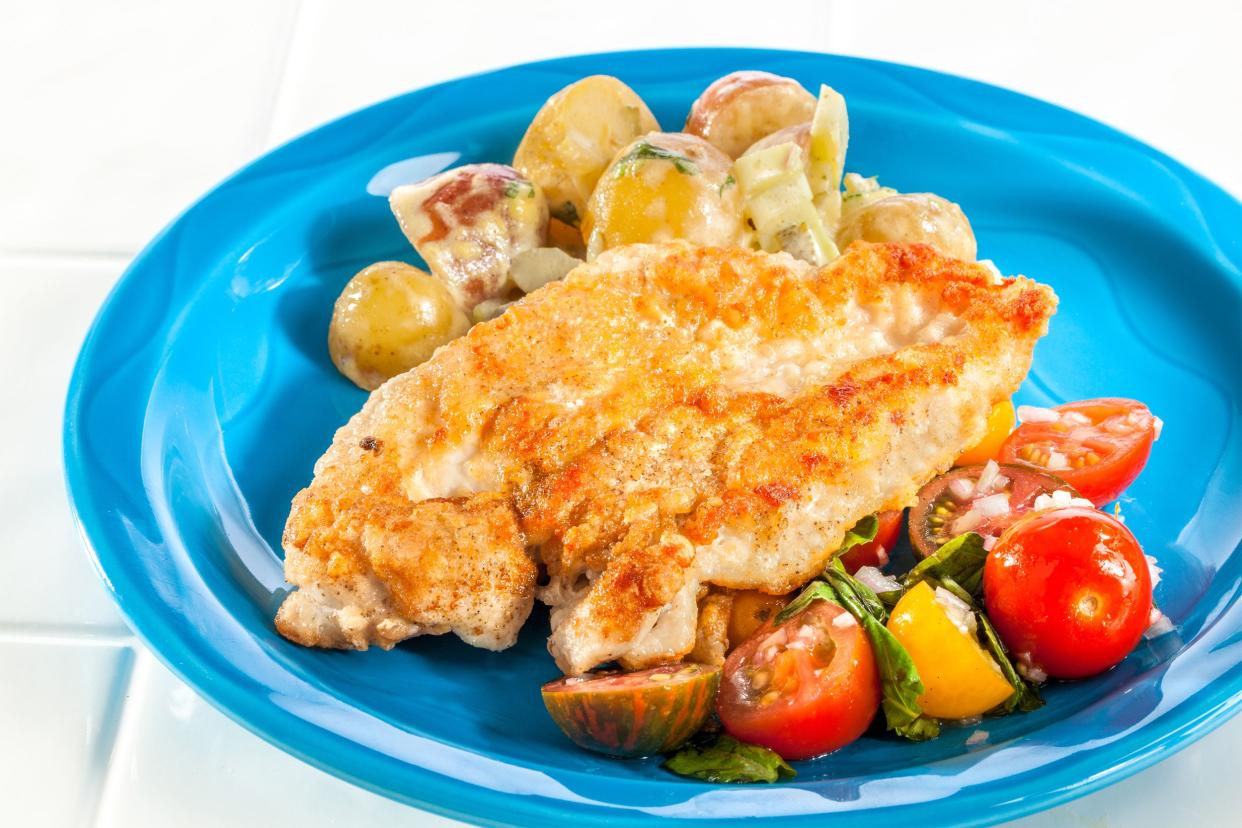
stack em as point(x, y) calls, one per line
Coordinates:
point(1068, 590)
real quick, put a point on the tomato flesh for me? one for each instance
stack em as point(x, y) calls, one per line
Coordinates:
point(941, 512)
point(1069, 591)
point(875, 553)
point(960, 678)
point(1097, 446)
point(802, 688)
point(1000, 423)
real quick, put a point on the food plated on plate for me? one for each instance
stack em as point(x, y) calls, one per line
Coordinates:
point(707, 372)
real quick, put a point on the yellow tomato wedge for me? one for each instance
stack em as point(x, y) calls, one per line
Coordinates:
point(960, 678)
point(1000, 422)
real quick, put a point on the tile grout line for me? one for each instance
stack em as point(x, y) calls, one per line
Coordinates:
point(282, 75)
point(128, 705)
point(43, 256)
point(109, 732)
point(80, 635)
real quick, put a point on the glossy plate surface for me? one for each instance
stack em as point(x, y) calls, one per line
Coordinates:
point(204, 394)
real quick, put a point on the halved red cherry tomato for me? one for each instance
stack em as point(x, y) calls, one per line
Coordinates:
point(633, 714)
point(1068, 590)
point(1097, 446)
point(804, 688)
point(876, 552)
point(946, 504)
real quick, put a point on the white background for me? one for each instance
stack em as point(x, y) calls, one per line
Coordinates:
point(117, 114)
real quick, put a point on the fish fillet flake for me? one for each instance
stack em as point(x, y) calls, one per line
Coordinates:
point(665, 418)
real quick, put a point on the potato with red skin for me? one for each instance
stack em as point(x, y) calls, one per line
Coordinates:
point(798, 134)
point(468, 223)
point(1069, 591)
point(737, 110)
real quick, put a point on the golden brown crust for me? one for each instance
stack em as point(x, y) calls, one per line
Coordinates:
point(711, 637)
point(611, 421)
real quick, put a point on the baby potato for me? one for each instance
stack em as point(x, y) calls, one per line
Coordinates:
point(468, 223)
point(910, 218)
point(664, 186)
point(390, 317)
point(740, 108)
point(859, 194)
point(574, 136)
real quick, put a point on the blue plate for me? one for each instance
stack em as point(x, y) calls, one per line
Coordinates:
point(204, 394)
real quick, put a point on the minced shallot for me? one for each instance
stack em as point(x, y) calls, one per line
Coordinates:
point(961, 488)
point(1035, 414)
point(1029, 670)
point(1159, 625)
point(1154, 568)
point(1060, 499)
point(843, 620)
point(875, 580)
point(990, 479)
point(967, 522)
point(992, 505)
point(957, 610)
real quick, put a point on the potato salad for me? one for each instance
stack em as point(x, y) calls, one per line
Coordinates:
point(758, 163)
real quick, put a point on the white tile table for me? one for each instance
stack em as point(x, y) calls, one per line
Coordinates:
point(117, 115)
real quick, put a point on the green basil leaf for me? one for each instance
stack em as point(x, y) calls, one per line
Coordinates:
point(889, 599)
point(814, 591)
point(900, 684)
point(725, 759)
point(956, 588)
point(919, 730)
point(644, 151)
point(1025, 697)
point(960, 560)
point(523, 189)
point(842, 581)
point(863, 532)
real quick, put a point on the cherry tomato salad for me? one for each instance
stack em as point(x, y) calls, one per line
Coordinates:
point(1020, 578)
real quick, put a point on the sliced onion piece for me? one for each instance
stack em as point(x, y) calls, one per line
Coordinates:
point(1036, 414)
point(875, 580)
point(959, 611)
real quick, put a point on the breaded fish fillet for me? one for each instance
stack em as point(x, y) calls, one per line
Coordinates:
point(664, 418)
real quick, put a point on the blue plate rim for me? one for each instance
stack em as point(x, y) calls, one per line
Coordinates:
point(453, 797)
